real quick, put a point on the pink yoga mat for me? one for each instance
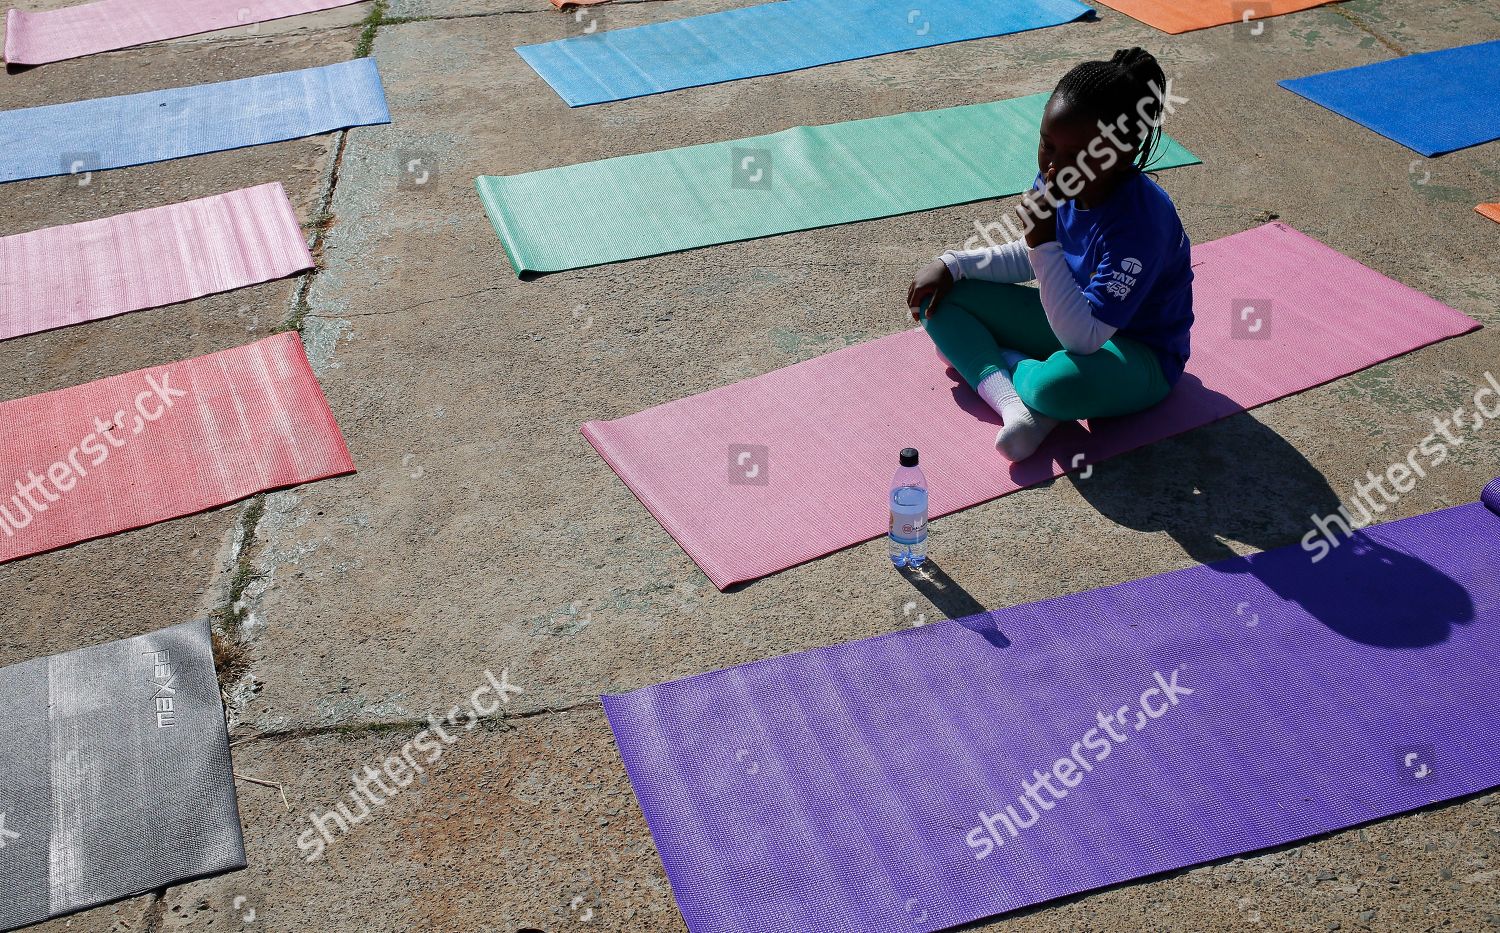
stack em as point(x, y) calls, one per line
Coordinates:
point(71, 32)
point(86, 271)
point(765, 474)
point(137, 449)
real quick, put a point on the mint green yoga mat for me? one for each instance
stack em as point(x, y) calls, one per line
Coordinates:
point(798, 179)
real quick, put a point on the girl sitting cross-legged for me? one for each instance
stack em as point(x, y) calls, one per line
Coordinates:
point(1106, 331)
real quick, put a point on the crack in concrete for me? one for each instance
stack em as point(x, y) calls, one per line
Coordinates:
point(343, 317)
point(501, 721)
point(1365, 27)
point(154, 915)
point(231, 614)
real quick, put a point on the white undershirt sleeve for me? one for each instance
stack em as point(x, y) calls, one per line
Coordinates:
point(1007, 263)
point(1068, 311)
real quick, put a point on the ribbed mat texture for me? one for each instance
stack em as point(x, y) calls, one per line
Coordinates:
point(1277, 313)
point(1431, 103)
point(1179, 16)
point(930, 777)
point(160, 443)
point(159, 256)
point(117, 775)
point(771, 38)
point(114, 132)
point(797, 179)
point(86, 28)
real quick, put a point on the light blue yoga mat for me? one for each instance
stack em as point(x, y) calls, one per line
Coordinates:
point(770, 39)
point(114, 132)
point(1433, 103)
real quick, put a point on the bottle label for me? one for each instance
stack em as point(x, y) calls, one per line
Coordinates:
point(908, 528)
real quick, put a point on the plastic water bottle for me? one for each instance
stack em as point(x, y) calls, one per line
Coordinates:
point(908, 512)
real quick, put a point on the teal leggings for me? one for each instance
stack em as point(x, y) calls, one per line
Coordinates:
point(976, 319)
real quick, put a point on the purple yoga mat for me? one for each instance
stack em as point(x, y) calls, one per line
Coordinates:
point(849, 787)
point(759, 476)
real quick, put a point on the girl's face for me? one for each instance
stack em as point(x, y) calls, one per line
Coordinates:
point(1072, 138)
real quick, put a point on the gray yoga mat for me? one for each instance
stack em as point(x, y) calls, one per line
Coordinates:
point(115, 775)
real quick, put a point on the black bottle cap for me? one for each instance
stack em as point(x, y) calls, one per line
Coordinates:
point(909, 457)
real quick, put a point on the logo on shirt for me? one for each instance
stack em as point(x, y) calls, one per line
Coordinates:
point(1123, 281)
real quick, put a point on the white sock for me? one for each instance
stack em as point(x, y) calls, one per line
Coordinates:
point(998, 391)
point(1023, 433)
point(1024, 429)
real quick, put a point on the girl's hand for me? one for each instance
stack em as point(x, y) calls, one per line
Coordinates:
point(933, 281)
point(1037, 214)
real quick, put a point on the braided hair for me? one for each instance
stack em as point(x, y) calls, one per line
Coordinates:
point(1114, 89)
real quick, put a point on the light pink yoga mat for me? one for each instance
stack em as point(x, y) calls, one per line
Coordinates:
point(96, 269)
point(765, 474)
point(71, 32)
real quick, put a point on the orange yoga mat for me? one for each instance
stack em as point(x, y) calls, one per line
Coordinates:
point(1177, 16)
point(1492, 211)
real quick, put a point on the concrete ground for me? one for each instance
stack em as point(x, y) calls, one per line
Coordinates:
point(482, 533)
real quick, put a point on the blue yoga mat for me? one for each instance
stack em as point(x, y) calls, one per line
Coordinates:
point(114, 132)
point(1432, 103)
point(770, 39)
point(933, 776)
